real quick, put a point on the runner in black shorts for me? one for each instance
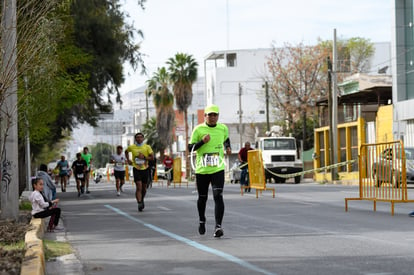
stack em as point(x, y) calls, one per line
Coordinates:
point(79, 167)
point(141, 154)
point(119, 161)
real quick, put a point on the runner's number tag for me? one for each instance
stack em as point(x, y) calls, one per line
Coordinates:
point(211, 159)
point(139, 161)
point(80, 176)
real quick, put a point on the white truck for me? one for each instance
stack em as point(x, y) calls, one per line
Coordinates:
point(280, 156)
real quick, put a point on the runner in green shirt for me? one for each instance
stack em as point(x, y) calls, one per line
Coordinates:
point(88, 158)
point(210, 139)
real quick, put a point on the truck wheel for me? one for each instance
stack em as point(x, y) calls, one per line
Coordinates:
point(297, 179)
point(282, 180)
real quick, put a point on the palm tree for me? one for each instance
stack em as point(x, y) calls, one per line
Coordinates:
point(163, 102)
point(183, 73)
point(149, 129)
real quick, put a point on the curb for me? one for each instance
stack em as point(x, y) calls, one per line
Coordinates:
point(34, 258)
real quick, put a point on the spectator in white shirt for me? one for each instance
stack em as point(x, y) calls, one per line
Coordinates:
point(41, 207)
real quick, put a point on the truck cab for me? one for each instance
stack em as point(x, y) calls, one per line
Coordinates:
point(280, 156)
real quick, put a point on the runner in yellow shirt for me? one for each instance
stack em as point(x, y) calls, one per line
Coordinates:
point(141, 154)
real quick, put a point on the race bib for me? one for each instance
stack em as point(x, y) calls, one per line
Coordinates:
point(80, 176)
point(119, 164)
point(64, 168)
point(139, 161)
point(211, 159)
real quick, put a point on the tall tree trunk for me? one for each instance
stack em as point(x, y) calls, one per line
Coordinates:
point(304, 132)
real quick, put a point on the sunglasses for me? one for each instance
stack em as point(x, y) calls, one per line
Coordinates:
point(212, 114)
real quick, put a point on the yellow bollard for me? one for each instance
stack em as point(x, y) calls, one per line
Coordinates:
point(155, 174)
point(126, 173)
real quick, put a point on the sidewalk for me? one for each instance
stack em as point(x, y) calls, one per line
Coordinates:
point(67, 264)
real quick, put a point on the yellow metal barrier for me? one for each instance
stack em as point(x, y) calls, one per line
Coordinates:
point(257, 178)
point(382, 174)
point(177, 177)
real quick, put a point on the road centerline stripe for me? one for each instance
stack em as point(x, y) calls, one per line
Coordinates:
point(192, 243)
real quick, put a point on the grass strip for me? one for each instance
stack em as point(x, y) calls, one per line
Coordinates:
point(55, 249)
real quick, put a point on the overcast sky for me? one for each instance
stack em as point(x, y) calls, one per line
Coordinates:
point(199, 27)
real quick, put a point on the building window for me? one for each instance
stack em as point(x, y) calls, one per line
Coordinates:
point(231, 59)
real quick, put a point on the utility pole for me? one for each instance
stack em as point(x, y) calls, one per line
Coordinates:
point(9, 168)
point(28, 162)
point(240, 115)
point(331, 139)
point(267, 105)
point(334, 108)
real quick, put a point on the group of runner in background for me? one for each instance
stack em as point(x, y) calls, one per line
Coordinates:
point(80, 168)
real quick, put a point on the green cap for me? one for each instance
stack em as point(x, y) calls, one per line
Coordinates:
point(211, 109)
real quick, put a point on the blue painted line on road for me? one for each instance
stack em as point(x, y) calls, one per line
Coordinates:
point(192, 243)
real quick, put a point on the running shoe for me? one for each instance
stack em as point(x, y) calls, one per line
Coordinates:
point(218, 232)
point(118, 193)
point(58, 228)
point(140, 207)
point(82, 189)
point(202, 228)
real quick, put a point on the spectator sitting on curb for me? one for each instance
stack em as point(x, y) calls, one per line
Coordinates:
point(41, 207)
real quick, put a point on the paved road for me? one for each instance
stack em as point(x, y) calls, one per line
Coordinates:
point(304, 230)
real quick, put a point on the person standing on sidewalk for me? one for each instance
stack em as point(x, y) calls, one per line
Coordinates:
point(119, 159)
point(63, 167)
point(88, 158)
point(210, 139)
point(79, 168)
point(141, 153)
point(243, 163)
point(168, 168)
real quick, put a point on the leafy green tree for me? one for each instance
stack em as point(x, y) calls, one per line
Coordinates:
point(158, 87)
point(101, 153)
point(100, 31)
point(183, 73)
point(297, 131)
point(149, 129)
point(353, 55)
point(47, 89)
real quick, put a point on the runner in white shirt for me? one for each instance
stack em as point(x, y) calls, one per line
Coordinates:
point(119, 161)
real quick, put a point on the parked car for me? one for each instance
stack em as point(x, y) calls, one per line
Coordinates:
point(235, 172)
point(161, 171)
point(387, 167)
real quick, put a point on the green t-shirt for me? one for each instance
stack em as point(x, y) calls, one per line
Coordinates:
point(138, 163)
point(87, 157)
point(210, 156)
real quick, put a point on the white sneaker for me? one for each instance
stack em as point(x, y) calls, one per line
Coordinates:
point(58, 228)
point(118, 193)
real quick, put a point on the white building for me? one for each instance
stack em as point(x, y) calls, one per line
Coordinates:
point(235, 81)
point(403, 70)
